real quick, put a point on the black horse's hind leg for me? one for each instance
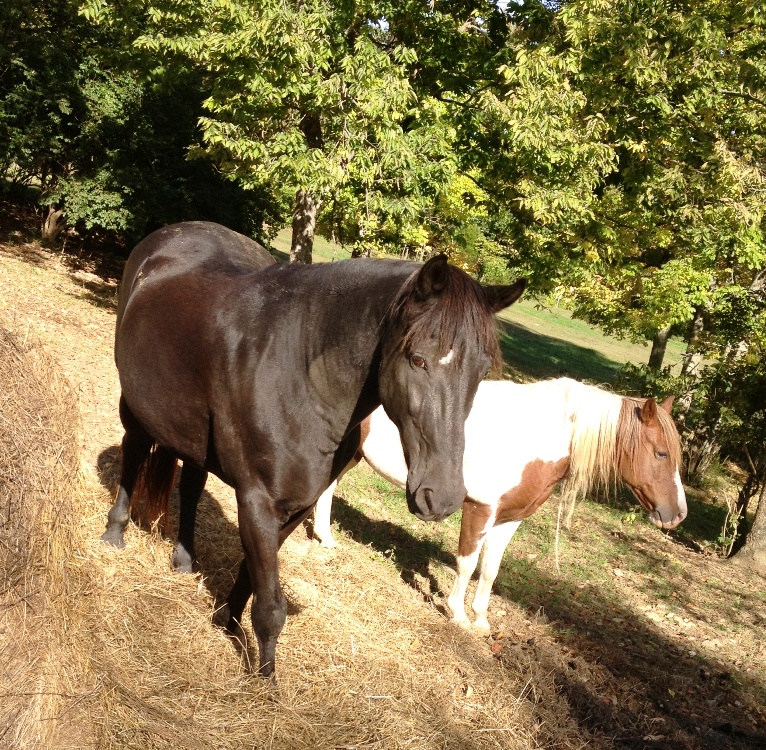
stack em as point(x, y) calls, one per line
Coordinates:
point(190, 488)
point(237, 599)
point(136, 444)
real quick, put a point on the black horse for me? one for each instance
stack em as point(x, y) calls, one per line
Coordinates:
point(261, 374)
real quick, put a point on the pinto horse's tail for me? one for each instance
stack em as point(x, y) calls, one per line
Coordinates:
point(155, 480)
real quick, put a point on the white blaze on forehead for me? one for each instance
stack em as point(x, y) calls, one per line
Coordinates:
point(447, 358)
point(681, 492)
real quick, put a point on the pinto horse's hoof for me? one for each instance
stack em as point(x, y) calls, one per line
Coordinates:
point(481, 626)
point(462, 622)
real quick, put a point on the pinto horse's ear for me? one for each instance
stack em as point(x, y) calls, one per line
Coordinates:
point(648, 413)
point(432, 278)
point(667, 404)
point(501, 297)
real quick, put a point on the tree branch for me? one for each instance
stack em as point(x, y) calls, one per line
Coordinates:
point(743, 95)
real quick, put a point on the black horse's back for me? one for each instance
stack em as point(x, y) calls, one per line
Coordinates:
point(188, 247)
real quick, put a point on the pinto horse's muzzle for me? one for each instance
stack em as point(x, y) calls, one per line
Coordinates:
point(656, 518)
point(665, 514)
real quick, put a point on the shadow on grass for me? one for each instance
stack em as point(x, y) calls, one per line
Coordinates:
point(628, 684)
point(704, 525)
point(534, 356)
point(411, 559)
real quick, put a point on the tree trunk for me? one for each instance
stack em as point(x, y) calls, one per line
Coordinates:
point(53, 224)
point(659, 344)
point(692, 357)
point(304, 224)
point(753, 553)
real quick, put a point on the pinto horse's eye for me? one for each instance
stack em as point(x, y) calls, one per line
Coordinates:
point(417, 360)
point(660, 454)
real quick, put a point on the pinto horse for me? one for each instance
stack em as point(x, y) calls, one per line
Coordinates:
point(522, 440)
point(262, 373)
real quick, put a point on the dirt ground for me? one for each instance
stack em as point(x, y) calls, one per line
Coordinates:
point(683, 672)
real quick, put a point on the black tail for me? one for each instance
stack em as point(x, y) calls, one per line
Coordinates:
point(155, 482)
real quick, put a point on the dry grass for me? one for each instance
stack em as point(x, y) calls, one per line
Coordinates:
point(361, 663)
point(39, 463)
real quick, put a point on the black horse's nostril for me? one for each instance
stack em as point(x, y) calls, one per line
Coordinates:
point(427, 493)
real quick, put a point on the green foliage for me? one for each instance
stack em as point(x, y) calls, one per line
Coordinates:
point(680, 88)
point(314, 97)
point(643, 381)
point(40, 100)
point(83, 123)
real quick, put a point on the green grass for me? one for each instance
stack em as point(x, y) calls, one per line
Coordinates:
point(324, 250)
point(541, 342)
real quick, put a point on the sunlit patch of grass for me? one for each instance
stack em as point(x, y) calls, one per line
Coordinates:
point(325, 251)
point(543, 342)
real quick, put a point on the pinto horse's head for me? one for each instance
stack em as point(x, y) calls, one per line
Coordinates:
point(439, 341)
point(649, 457)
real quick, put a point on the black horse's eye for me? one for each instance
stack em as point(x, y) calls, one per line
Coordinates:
point(660, 454)
point(416, 360)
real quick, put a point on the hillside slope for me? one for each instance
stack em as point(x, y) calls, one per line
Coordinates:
point(645, 644)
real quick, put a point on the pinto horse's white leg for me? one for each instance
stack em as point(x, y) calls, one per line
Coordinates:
point(498, 538)
point(466, 564)
point(322, 508)
point(477, 518)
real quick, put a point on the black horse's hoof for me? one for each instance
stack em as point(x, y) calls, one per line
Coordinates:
point(182, 561)
point(114, 537)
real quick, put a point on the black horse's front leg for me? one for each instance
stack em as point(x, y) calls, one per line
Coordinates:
point(243, 588)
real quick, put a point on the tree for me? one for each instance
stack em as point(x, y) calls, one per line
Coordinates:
point(681, 89)
point(307, 102)
point(523, 132)
point(102, 143)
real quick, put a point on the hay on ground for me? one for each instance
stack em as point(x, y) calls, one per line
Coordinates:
point(39, 463)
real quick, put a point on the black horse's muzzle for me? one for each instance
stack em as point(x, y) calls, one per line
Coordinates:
point(429, 504)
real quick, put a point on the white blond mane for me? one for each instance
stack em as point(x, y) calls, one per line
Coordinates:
point(595, 415)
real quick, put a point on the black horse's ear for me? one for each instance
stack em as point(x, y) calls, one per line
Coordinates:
point(432, 278)
point(501, 297)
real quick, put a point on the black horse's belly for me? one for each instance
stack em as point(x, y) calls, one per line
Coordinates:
point(161, 382)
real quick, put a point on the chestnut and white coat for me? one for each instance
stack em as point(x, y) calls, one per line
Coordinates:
point(521, 440)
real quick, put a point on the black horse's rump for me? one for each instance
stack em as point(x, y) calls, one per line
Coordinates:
point(261, 374)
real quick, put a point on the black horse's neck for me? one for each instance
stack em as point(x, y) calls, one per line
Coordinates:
point(342, 357)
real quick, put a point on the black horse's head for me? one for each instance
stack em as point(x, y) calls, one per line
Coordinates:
point(439, 341)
